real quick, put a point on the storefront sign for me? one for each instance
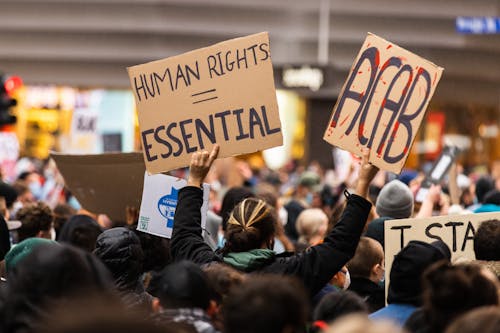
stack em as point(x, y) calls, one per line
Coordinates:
point(480, 25)
point(303, 77)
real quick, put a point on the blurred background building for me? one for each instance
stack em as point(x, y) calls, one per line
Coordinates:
point(72, 56)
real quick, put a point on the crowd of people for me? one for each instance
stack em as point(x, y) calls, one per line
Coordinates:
point(288, 251)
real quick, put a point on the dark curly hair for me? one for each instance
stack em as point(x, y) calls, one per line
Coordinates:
point(487, 241)
point(451, 290)
point(34, 217)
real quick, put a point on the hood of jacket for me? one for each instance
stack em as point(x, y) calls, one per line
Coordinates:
point(408, 268)
point(250, 260)
point(121, 252)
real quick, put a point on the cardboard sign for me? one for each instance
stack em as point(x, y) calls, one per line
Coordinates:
point(83, 139)
point(159, 201)
point(383, 103)
point(457, 231)
point(104, 184)
point(220, 94)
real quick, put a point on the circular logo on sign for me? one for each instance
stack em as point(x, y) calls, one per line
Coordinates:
point(166, 206)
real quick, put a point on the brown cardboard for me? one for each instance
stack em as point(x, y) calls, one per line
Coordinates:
point(207, 87)
point(383, 103)
point(106, 183)
point(457, 231)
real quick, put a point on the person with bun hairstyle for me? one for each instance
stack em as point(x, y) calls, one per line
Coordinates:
point(251, 229)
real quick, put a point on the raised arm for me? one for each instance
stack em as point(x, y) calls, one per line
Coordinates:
point(316, 266)
point(187, 241)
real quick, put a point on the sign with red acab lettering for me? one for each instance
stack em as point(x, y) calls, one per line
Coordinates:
point(383, 103)
point(223, 94)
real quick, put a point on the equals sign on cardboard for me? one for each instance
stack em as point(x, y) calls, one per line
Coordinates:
point(204, 96)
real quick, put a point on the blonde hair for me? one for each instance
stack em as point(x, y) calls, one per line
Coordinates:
point(309, 223)
point(356, 323)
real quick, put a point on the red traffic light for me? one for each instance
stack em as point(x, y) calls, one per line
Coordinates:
point(12, 83)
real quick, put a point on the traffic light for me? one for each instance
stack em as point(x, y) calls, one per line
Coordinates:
point(8, 85)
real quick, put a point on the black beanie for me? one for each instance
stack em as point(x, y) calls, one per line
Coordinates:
point(408, 267)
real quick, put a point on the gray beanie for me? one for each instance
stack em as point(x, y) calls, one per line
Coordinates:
point(395, 200)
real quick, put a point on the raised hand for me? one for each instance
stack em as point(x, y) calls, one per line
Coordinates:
point(201, 161)
point(366, 174)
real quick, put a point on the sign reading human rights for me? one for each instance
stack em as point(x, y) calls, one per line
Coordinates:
point(457, 231)
point(383, 103)
point(223, 94)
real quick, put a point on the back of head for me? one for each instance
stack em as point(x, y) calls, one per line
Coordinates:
point(484, 320)
point(492, 197)
point(368, 254)
point(36, 218)
point(266, 304)
point(395, 200)
point(4, 238)
point(450, 291)
point(311, 223)
point(223, 279)
point(62, 213)
point(250, 225)
point(103, 315)
point(487, 241)
point(337, 304)
point(50, 273)
point(81, 231)
point(483, 186)
point(408, 267)
point(183, 285)
point(375, 230)
point(156, 251)
point(233, 197)
point(356, 323)
point(9, 193)
point(120, 250)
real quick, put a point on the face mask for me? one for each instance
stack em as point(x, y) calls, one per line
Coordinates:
point(309, 198)
point(74, 203)
point(381, 283)
point(347, 281)
point(36, 189)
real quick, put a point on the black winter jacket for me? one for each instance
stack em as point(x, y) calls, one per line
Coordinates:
point(314, 267)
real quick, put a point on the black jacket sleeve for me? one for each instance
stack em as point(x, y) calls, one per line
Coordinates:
point(187, 241)
point(317, 265)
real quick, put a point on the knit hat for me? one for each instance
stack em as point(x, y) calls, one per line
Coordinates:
point(407, 269)
point(395, 200)
point(21, 250)
point(310, 180)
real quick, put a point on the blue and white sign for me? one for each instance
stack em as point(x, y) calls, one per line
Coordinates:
point(159, 201)
point(479, 25)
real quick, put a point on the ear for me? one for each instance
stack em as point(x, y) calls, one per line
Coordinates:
point(43, 234)
point(155, 305)
point(213, 308)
